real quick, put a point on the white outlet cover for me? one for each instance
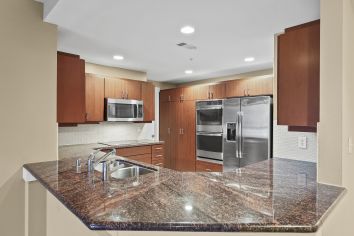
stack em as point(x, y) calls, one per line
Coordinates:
point(302, 142)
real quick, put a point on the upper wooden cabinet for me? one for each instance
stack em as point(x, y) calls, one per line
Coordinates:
point(94, 98)
point(202, 92)
point(148, 96)
point(249, 87)
point(70, 88)
point(122, 89)
point(298, 72)
point(171, 95)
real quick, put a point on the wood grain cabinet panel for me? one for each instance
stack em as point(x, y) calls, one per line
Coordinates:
point(298, 72)
point(196, 92)
point(70, 89)
point(260, 86)
point(171, 95)
point(94, 98)
point(145, 158)
point(165, 130)
point(133, 151)
point(114, 88)
point(217, 91)
point(132, 89)
point(148, 96)
point(203, 166)
point(236, 88)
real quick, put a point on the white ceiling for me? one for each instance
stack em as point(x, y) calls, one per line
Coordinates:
point(146, 32)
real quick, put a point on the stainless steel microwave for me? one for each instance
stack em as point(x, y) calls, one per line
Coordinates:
point(123, 110)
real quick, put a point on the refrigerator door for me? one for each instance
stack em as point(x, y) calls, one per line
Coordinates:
point(230, 135)
point(256, 129)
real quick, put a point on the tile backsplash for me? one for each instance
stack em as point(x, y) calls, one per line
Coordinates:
point(286, 144)
point(105, 132)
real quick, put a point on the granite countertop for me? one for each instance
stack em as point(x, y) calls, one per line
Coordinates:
point(132, 143)
point(277, 195)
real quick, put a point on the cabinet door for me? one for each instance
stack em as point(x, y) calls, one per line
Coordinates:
point(236, 88)
point(148, 96)
point(298, 75)
point(217, 91)
point(260, 86)
point(133, 89)
point(171, 95)
point(114, 88)
point(203, 166)
point(175, 130)
point(186, 142)
point(94, 98)
point(197, 92)
point(165, 130)
point(70, 89)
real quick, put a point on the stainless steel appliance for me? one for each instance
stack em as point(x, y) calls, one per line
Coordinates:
point(209, 132)
point(123, 110)
point(247, 134)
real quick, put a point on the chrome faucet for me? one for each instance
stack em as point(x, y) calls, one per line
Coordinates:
point(92, 162)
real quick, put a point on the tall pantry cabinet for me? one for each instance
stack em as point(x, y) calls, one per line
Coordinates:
point(177, 129)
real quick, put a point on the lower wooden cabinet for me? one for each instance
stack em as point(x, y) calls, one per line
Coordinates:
point(151, 154)
point(203, 166)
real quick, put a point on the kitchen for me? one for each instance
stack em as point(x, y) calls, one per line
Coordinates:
point(252, 136)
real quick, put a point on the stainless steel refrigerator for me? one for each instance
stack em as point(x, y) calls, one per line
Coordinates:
point(247, 136)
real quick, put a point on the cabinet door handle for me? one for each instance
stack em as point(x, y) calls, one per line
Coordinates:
point(168, 130)
point(159, 164)
point(169, 98)
point(209, 170)
point(159, 155)
point(212, 95)
point(158, 148)
point(182, 131)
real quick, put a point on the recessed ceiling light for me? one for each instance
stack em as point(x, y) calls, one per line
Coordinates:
point(188, 72)
point(249, 59)
point(187, 29)
point(118, 57)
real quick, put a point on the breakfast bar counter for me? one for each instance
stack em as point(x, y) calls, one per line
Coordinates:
point(277, 195)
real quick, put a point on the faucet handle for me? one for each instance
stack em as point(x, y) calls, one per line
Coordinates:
point(105, 170)
point(90, 164)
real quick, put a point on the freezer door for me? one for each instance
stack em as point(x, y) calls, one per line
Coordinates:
point(230, 135)
point(256, 129)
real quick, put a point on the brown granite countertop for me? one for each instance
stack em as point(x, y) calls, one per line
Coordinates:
point(132, 143)
point(278, 195)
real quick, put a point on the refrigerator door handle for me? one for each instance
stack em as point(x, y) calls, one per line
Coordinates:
point(237, 137)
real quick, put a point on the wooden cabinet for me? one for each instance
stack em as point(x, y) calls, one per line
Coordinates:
point(298, 72)
point(94, 98)
point(70, 88)
point(171, 95)
point(148, 96)
point(203, 92)
point(217, 91)
point(203, 166)
point(122, 89)
point(133, 89)
point(249, 87)
point(196, 92)
point(158, 157)
point(165, 131)
point(186, 153)
point(140, 153)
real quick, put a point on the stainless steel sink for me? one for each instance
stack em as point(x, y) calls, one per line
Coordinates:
point(130, 172)
point(123, 170)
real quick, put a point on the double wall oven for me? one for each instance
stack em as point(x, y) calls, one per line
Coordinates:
point(209, 132)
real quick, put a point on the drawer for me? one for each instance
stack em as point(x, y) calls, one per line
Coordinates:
point(133, 151)
point(158, 161)
point(203, 166)
point(157, 149)
point(146, 158)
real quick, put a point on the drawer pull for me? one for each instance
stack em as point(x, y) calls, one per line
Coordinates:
point(159, 156)
point(208, 170)
point(158, 148)
point(159, 164)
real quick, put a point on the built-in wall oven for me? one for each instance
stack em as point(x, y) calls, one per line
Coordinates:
point(209, 132)
point(123, 110)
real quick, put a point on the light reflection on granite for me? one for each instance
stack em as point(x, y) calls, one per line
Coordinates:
point(278, 195)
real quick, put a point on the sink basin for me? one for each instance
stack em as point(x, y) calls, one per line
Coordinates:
point(123, 170)
point(129, 172)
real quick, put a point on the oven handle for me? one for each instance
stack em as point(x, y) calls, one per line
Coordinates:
point(209, 134)
point(210, 108)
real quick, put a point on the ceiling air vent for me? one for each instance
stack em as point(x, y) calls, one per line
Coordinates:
point(187, 46)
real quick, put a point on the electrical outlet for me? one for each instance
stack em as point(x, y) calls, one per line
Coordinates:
point(302, 142)
point(350, 145)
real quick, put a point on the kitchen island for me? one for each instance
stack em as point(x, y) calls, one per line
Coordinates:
point(277, 195)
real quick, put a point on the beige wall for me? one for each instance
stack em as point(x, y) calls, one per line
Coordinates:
point(28, 129)
point(341, 220)
point(115, 72)
point(331, 85)
point(261, 73)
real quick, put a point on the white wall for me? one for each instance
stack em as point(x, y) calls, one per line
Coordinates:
point(285, 144)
